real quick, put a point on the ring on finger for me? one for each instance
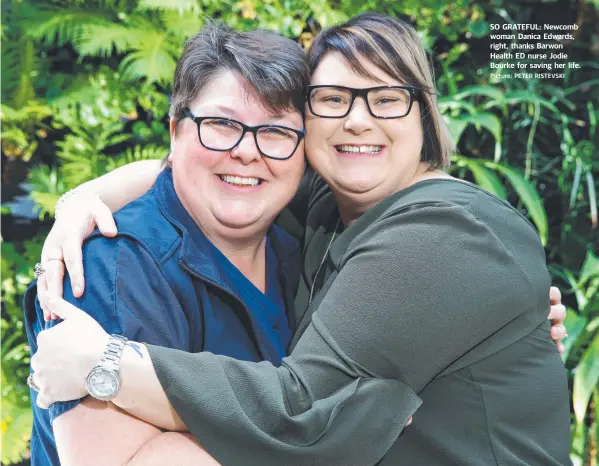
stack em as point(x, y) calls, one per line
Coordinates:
point(32, 384)
point(54, 259)
point(39, 270)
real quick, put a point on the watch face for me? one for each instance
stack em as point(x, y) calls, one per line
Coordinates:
point(103, 384)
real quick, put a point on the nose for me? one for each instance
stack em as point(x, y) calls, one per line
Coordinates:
point(246, 151)
point(359, 118)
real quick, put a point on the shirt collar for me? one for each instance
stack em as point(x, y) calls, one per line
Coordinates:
point(197, 252)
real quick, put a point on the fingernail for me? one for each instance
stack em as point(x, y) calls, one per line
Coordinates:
point(77, 290)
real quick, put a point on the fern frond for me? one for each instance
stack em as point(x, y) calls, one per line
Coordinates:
point(16, 430)
point(33, 110)
point(178, 5)
point(153, 62)
point(11, 69)
point(148, 152)
point(63, 25)
point(182, 25)
point(102, 39)
point(21, 64)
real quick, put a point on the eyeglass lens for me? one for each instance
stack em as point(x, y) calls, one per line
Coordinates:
point(336, 102)
point(221, 134)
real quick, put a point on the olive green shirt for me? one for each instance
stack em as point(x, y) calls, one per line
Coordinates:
point(433, 304)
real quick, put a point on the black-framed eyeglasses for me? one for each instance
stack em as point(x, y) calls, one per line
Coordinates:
point(382, 101)
point(223, 134)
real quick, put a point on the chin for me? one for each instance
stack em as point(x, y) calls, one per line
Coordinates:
point(357, 184)
point(238, 221)
point(241, 218)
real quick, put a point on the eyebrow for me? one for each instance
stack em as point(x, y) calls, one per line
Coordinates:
point(223, 108)
point(230, 112)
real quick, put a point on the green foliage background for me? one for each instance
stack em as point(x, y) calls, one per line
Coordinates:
point(85, 86)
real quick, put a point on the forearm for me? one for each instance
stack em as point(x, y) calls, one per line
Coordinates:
point(313, 409)
point(98, 433)
point(123, 185)
point(172, 448)
point(141, 393)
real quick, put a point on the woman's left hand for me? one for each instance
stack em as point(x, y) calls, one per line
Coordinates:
point(66, 353)
point(557, 314)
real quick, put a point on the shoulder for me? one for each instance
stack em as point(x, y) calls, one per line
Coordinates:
point(321, 201)
point(141, 226)
point(285, 246)
point(447, 205)
point(445, 219)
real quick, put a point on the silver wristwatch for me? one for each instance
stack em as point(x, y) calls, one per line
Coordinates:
point(104, 381)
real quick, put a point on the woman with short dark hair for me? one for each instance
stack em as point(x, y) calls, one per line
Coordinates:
point(418, 291)
point(196, 264)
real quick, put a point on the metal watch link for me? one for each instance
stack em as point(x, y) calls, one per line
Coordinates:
point(104, 381)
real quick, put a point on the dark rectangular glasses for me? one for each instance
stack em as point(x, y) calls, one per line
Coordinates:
point(223, 134)
point(381, 101)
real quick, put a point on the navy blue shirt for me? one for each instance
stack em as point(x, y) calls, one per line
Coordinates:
point(161, 281)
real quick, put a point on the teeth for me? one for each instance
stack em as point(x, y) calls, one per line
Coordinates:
point(360, 149)
point(240, 180)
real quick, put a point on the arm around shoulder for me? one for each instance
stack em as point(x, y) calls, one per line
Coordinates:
point(122, 185)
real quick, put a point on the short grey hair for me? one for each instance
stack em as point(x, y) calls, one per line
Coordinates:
point(274, 66)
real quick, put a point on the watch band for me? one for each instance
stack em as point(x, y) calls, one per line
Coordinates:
point(112, 354)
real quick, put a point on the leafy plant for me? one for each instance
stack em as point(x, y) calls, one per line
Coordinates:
point(16, 418)
point(582, 348)
point(85, 90)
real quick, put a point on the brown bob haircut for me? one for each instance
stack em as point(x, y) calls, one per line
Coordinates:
point(393, 46)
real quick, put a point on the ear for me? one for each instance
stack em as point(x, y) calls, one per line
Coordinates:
point(172, 125)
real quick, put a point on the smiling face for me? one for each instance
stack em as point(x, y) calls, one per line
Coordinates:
point(362, 158)
point(235, 193)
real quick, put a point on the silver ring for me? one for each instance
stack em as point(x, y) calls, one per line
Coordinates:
point(39, 270)
point(32, 384)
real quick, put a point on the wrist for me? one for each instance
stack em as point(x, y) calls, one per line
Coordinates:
point(74, 196)
point(134, 356)
point(104, 380)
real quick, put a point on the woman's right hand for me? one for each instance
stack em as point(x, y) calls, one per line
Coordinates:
point(79, 215)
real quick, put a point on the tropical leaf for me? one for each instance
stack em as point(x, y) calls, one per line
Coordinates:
point(523, 96)
point(528, 195)
point(188, 24)
point(586, 379)
point(483, 176)
point(23, 114)
point(456, 127)
point(486, 120)
point(16, 430)
point(592, 198)
point(63, 25)
point(576, 325)
point(179, 5)
point(590, 268)
point(104, 39)
point(447, 104)
point(148, 152)
point(476, 91)
point(153, 62)
point(19, 64)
